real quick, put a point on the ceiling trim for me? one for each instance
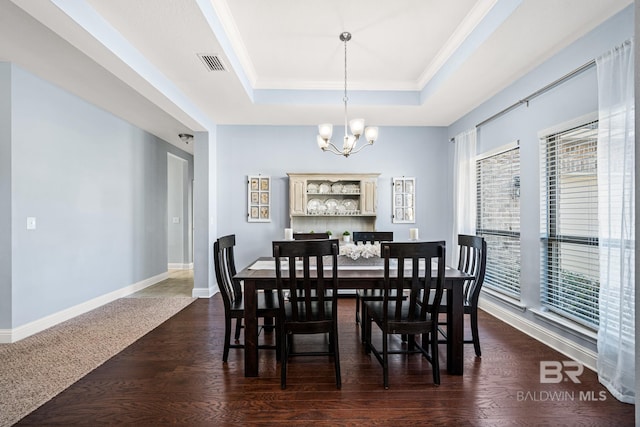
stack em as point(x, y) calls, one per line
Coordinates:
point(223, 26)
point(94, 24)
point(334, 97)
point(490, 22)
point(478, 25)
point(468, 25)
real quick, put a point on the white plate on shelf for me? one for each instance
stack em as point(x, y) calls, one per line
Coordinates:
point(337, 188)
point(322, 209)
point(312, 188)
point(325, 187)
point(313, 205)
point(331, 205)
point(350, 188)
point(350, 205)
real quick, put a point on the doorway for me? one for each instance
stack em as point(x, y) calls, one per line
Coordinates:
point(179, 230)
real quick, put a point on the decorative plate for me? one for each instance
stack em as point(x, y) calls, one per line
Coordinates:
point(351, 188)
point(312, 188)
point(337, 188)
point(312, 205)
point(325, 187)
point(331, 205)
point(322, 208)
point(350, 205)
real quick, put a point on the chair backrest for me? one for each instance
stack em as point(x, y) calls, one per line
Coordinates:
point(312, 287)
point(225, 269)
point(310, 236)
point(372, 236)
point(472, 259)
point(413, 262)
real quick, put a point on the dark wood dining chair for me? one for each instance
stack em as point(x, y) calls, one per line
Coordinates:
point(310, 236)
point(311, 306)
point(231, 291)
point(372, 236)
point(410, 316)
point(368, 294)
point(472, 259)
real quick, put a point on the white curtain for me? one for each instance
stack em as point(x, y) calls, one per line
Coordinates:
point(616, 215)
point(464, 186)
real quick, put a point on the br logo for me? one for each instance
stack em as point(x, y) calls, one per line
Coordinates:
point(554, 372)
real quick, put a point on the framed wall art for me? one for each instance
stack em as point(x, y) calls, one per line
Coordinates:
point(259, 198)
point(404, 200)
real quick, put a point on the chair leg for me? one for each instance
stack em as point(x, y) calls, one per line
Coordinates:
point(358, 320)
point(227, 338)
point(411, 341)
point(368, 327)
point(238, 327)
point(283, 359)
point(278, 339)
point(435, 364)
point(385, 360)
point(363, 322)
point(474, 332)
point(336, 357)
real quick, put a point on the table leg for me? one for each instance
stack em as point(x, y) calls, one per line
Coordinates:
point(455, 330)
point(250, 329)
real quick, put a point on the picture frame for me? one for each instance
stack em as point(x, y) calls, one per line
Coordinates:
point(258, 198)
point(404, 200)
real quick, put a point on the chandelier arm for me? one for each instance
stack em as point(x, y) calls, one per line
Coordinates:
point(361, 147)
point(333, 149)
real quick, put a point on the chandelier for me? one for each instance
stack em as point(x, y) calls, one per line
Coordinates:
point(356, 126)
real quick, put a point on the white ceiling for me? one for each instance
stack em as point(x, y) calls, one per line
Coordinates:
point(410, 62)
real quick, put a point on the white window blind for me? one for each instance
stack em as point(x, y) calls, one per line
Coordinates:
point(498, 217)
point(569, 224)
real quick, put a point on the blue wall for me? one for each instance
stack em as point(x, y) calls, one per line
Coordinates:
point(98, 188)
point(5, 194)
point(420, 152)
point(575, 98)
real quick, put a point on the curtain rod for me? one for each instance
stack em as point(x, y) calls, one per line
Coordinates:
point(540, 92)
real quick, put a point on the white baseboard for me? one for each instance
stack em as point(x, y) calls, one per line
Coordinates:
point(570, 349)
point(180, 266)
point(16, 334)
point(204, 292)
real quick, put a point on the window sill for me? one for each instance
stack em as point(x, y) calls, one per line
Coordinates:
point(566, 324)
point(513, 302)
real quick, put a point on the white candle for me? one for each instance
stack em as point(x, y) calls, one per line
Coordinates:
point(288, 234)
point(413, 234)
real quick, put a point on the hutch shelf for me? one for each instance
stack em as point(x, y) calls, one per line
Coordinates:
point(332, 202)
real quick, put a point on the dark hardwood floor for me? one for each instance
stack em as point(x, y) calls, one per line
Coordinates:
point(175, 376)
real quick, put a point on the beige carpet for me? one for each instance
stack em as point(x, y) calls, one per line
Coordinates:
point(37, 368)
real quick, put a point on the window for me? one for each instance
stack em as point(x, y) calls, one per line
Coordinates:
point(569, 223)
point(498, 217)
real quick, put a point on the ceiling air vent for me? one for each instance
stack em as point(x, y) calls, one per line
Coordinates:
point(212, 62)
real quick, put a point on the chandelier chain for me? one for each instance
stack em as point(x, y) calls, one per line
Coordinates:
point(346, 98)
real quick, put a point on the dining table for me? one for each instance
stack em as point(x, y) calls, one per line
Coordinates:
point(260, 275)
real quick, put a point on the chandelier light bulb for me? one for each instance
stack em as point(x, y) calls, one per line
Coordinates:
point(371, 134)
point(357, 127)
point(322, 143)
point(325, 130)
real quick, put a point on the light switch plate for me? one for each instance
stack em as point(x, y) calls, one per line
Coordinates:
point(31, 223)
point(176, 220)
